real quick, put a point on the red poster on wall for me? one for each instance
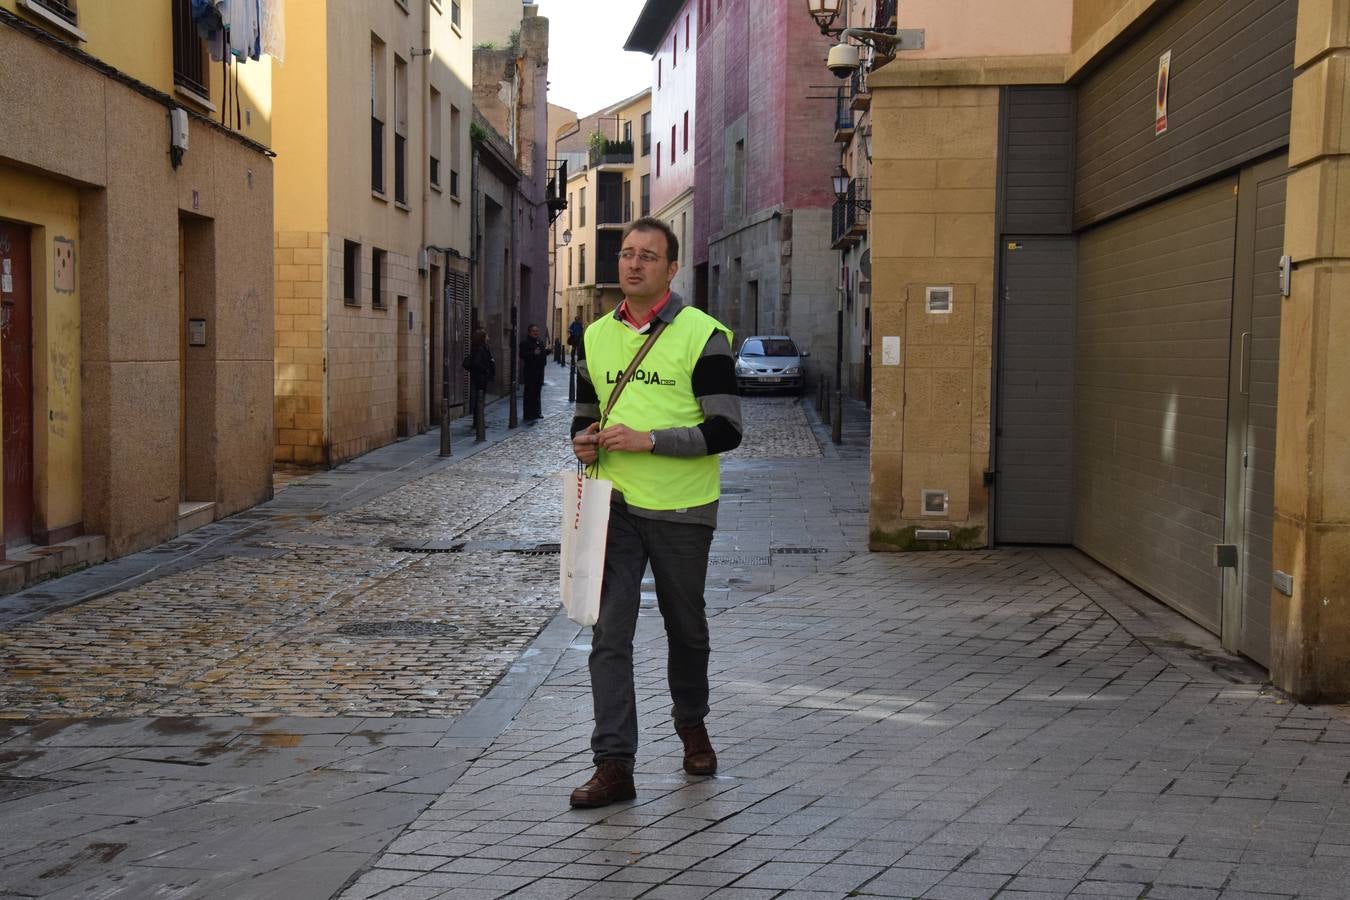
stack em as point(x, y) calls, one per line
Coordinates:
point(1160, 107)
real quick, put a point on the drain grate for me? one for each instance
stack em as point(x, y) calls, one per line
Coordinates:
point(406, 546)
point(397, 629)
point(730, 561)
point(802, 551)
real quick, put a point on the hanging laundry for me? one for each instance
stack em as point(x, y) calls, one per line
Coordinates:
point(273, 27)
point(242, 28)
point(211, 24)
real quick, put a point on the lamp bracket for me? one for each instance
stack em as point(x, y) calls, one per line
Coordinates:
point(887, 40)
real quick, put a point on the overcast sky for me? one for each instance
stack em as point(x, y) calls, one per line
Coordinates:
point(588, 68)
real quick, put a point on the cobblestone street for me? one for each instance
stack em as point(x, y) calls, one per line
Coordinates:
point(341, 629)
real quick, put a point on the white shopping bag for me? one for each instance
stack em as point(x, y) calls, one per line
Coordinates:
point(585, 526)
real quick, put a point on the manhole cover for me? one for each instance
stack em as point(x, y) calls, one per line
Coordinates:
point(397, 629)
point(804, 551)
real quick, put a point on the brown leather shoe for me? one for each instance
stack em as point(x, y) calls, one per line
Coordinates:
point(699, 758)
point(611, 783)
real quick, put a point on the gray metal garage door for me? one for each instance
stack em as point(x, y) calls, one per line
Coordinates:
point(1034, 447)
point(1254, 376)
point(1151, 395)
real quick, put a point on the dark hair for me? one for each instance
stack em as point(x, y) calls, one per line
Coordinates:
point(651, 223)
point(479, 338)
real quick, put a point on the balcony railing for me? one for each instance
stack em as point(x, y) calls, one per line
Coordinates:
point(555, 193)
point(860, 97)
point(859, 201)
point(848, 221)
point(607, 152)
point(843, 116)
point(612, 211)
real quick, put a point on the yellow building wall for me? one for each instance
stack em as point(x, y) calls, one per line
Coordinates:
point(350, 377)
point(136, 37)
point(53, 211)
point(300, 99)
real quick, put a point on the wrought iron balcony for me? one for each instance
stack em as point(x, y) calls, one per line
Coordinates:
point(850, 216)
point(886, 12)
point(861, 97)
point(843, 117)
point(555, 192)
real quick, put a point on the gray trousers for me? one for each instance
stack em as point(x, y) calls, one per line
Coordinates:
point(678, 553)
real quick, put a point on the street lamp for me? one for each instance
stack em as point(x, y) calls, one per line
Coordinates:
point(572, 371)
point(824, 12)
point(885, 40)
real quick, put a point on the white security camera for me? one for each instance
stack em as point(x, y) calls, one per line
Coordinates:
point(843, 60)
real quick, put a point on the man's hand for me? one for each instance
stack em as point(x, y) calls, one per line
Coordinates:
point(585, 443)
point(621, 437)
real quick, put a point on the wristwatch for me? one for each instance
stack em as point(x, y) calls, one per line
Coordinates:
point(652, 435)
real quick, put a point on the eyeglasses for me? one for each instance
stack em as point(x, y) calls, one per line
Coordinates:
point(646, 257)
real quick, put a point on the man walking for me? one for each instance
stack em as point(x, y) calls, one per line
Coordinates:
point(659, 447)
point(574, 332)
point(533, 359)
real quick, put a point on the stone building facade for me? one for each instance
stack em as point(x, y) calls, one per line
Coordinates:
point(135, 285)
point(1105, 257)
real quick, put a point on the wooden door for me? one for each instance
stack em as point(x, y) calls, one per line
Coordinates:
point(16, 373)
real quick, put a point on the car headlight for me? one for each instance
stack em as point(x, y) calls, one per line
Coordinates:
point(742, 370)
point(793, 370)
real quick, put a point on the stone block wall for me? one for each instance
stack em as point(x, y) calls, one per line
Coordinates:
point(363, 355)
point(300, 328)
point(933, 199)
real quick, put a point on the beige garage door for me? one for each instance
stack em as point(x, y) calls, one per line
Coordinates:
point(1151, 395)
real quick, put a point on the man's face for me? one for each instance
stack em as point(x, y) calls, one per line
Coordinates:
point(645, 279)
point(533, 331)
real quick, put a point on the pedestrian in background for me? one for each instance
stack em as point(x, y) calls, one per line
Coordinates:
point(574, 332)
point(482, 369)
point(558, 351)
point(533, 359)
point(659, 446)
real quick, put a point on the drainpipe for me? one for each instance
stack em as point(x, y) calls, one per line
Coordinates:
point(475, 287)
point(509, 283)
point(426, 230)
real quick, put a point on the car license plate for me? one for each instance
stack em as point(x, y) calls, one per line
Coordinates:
point(770, 380)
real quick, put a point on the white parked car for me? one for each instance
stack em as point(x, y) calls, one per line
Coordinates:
point(770, 362)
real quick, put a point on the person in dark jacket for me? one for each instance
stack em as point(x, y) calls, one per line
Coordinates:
point(558, 352)
point(533, 359)
point(482, 369)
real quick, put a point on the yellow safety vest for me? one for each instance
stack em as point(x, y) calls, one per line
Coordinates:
point(660, 395)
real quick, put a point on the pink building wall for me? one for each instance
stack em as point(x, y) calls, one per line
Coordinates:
point(767, 82)
point(674, 84)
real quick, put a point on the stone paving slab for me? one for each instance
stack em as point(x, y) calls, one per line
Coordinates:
point(931, 725)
